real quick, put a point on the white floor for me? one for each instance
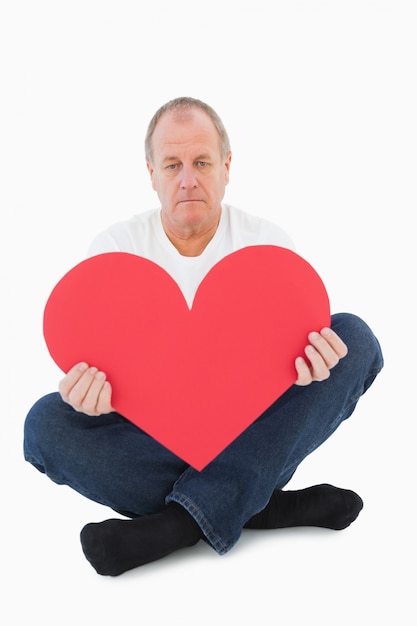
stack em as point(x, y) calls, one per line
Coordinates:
point(319, 102)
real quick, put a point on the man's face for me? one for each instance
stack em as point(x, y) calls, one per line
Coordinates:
point(188, 172)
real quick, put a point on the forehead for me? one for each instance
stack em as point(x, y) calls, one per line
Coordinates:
point(179, 131)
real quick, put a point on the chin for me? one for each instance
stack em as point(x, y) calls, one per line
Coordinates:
point(193, 211)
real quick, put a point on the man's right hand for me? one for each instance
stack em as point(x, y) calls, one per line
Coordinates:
point(86, 389)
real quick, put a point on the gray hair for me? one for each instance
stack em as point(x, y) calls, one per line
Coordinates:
point(185, 104)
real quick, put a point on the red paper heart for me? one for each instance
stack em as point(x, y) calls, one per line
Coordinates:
point(192, 379)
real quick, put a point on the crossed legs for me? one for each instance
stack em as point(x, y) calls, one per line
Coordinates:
point(173, 506)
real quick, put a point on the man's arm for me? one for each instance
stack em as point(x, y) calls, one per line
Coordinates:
point(323, 352)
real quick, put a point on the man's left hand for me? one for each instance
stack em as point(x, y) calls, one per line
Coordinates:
point(322, 353)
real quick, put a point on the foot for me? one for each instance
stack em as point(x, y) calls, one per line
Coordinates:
point(116, 546)
point(322, 505)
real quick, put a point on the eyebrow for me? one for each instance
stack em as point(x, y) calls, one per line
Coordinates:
point(200, 157)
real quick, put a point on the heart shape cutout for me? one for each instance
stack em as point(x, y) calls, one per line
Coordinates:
point(193, 379)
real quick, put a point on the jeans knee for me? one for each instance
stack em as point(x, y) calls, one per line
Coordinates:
point(360, 340)
point(39, 428)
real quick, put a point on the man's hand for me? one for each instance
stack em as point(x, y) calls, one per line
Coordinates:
point(86, 390)
point(323, 352)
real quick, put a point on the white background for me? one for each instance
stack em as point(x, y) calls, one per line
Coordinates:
point(319, 98)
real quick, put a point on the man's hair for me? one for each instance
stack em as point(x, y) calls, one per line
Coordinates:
point(183, 105)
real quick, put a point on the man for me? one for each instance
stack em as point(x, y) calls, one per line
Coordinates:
point(77, 439)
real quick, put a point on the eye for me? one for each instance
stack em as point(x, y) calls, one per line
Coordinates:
point(171, 166)
point(202, 163)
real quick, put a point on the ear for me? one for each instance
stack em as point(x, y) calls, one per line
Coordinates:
point(227, 167)
point(151, 171)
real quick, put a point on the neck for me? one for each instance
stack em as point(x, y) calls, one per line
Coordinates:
point(190, 246)
point(193, 242)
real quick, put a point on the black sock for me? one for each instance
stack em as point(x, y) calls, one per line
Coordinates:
point(115, 546)
point(322, 505)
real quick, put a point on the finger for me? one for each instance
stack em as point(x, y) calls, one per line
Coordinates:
point(328, 351)
point(104, 400)
point(88, 391)
point(335, 342)
point(319, 368)
point(71, 379)
point(77, 395)
point(303, 371)
point(323, 349)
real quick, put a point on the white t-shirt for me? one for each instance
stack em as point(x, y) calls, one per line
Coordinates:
point(144, 235)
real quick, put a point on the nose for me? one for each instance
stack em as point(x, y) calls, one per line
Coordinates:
point(188, 177)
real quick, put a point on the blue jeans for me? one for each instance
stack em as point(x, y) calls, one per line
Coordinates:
point(113, 462)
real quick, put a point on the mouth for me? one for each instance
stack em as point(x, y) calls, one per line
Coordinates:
point(190, 201)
